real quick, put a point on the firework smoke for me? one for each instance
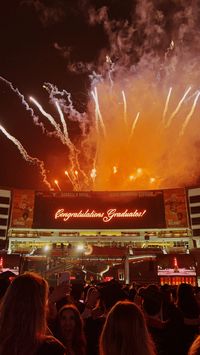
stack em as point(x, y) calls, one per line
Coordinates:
point(27, 157)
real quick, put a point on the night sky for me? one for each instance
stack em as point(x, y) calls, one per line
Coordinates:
point(51, 41)
point(29, 34)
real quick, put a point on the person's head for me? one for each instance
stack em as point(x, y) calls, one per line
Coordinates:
point(152, 300)
point(92, 296)
point(141, 291)
point(111, 293)
point(4, 283)
point(71, 326)
point(70, 321)
point(186, 300)
point(125, 332)
point(23, 313)
point(195, 347)
point(77, 291)
point(184, 291)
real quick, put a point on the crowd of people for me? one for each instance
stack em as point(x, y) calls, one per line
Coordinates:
point(104, 319)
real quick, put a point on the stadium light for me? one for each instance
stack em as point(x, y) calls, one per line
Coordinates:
point(46, 248)
point(80, 247)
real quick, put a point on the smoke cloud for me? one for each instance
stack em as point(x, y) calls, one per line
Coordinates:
point(141, 128)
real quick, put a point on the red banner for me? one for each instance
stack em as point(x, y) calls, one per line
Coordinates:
point(22, 208)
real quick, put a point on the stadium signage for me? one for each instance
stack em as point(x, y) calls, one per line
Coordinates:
point(105, 216)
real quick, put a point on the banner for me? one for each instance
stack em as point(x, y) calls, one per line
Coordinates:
point(175, 208)
point(22, 209)
point(99, 210)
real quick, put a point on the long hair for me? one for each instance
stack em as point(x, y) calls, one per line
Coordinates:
point(195, 347)
point(78, 341)
point(23, 315)
point(125, 332)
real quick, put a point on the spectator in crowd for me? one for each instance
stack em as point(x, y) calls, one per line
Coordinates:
point(109, 293)
point(188, 306)
point(138, 299)
point(186, 301)
point(197, 296)
point(169, 309)
point(76, 296)
point(132, 292)
point(91, 301)
point(4, 283)
point(195, 347)
point(70, 330)
point(162, 331)
point(23, 329)
point(125, 332)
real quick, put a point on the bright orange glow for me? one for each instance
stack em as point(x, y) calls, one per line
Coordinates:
point(93, 174)
point(158, 151)
point(139, 171)
point(134, 133)
point(114, 169)
point(152, 180)
point(57, 184)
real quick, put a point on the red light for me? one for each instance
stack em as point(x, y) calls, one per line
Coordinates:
point(108, 278)
point(11, 278)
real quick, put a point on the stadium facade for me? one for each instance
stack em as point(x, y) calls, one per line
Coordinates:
point(96, 223)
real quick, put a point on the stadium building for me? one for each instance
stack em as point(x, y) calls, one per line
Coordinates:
point(96, 230)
